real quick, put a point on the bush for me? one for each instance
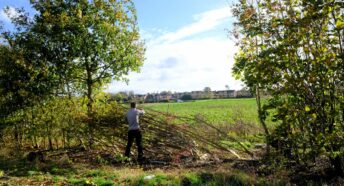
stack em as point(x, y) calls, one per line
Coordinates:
point(186, 97)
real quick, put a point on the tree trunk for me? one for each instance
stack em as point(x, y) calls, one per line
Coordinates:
point(338, 164)
point(90, 106)
point(56, 139)
point(16, 136)
point(36, 146)
point(67, 139)
point(63, 138)
point(2, 141)
point(262, 122)
point(51, 147)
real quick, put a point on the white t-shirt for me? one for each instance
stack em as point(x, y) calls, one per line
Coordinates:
point(133, 118)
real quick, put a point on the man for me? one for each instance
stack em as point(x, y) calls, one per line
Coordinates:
point(134, 131)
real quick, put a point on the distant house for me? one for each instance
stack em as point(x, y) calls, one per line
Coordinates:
point(243, 94)
point(168, 96)
point(224, 94)
point(197, 94)
point(178, 95)
point(140, 97)
point(151, 98)
point(165, 96)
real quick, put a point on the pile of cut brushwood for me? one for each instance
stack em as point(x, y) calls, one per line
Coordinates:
point(168, 140)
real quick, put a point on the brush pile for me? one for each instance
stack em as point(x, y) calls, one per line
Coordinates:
point(170, 139)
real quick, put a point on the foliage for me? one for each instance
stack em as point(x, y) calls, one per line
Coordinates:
point(25, 76)
point(208, 93)
point(68, 48)
point(186, 97)
point(59, 122)
point(101, 38)
point(293, 50)
point(120, 97)
point(207, 89)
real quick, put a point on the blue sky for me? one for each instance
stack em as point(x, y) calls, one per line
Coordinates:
point(186, 41)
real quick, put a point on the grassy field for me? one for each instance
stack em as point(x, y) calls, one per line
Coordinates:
point(237, 117)
point(216, 111)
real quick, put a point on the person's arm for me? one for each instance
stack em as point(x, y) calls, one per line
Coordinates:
point(141, 112)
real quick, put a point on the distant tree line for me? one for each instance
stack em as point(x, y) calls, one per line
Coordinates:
point(168, 96)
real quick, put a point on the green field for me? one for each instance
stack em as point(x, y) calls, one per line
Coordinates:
point(216, 111)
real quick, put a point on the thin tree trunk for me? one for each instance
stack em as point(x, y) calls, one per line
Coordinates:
point(50, 143)
point(262, 122)
point(16, 136)
point(338, 164)
point(56, 139)
point(90, 106)
point(63, 139)
point(35, 141)
point(67, 139)
point(2, 141)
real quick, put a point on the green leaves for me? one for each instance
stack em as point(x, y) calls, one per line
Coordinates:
point(339, 24)
point(68, 47)
point(297, 60)
point(100, 38)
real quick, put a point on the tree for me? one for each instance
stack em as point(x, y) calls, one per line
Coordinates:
point(293, 50)
point(131, 95)
point(207, 92)
point(186, 97)
point(207, 89)
point(25, 76)
point(120, 97)
point(227, 87)
point(88, 43)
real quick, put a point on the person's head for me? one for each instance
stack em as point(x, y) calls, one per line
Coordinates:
point(133, 105)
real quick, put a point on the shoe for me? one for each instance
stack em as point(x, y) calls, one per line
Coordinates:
point(141, 159)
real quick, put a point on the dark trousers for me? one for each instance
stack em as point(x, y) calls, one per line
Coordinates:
point(134, 134)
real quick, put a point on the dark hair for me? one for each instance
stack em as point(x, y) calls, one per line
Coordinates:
point(133, 105)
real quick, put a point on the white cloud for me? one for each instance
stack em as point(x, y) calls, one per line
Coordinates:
point(184, 60)
point(5, 16)
point(203, 22)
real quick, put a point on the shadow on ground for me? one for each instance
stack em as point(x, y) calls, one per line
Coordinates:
point(22, 167)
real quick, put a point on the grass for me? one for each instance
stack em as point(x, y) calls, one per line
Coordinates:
point(237, 117)
point(135, 176)
point(215, 111)
point(18, 171)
